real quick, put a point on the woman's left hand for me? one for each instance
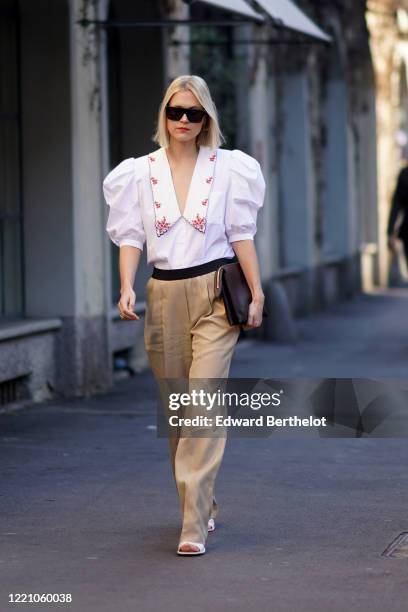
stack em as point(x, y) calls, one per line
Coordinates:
point(255, 312)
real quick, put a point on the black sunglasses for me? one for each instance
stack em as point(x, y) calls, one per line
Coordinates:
point(194, 115)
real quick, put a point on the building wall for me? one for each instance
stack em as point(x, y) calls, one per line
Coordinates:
point(321, 167)
point(90, 99)
point(46, 146)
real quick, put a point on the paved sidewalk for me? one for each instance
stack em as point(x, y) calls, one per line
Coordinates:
point(88, 505)
point(364, 337)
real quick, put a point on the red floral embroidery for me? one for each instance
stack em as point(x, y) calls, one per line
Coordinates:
point(162, 226)
point(152, 158)
point(204, 202)
point(209, 179)
point(199, 223)
point(157, 204)
point(212, 158)
point(154, 180)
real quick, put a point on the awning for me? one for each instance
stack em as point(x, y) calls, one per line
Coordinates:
point(235, 6)
point(292, 17)
point(284, 13)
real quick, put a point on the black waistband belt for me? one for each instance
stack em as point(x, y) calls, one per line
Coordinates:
point(205, 268)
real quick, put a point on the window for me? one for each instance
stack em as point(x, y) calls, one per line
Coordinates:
point(11, 285)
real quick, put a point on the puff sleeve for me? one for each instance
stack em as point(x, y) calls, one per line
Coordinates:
point(124, 225)
point(245, 196)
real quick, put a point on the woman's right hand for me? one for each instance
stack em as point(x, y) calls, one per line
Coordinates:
point(127, 303)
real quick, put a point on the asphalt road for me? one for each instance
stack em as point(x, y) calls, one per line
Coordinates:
point(88, 505)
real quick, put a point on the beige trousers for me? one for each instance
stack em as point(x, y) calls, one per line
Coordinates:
point(187, 335)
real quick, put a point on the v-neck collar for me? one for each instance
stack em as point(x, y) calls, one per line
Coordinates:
point(191, 182)
point(166, 207)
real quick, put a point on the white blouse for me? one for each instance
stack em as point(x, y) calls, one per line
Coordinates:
point(226, 191)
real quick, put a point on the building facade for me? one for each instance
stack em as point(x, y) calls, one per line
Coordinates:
point(80, 95)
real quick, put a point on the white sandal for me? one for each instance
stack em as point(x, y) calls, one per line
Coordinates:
point(200, 546)
point(211, 525)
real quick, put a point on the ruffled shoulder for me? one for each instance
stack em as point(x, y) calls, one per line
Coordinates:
point(244, 165)
point(245, 196)
point(247, 181)
point(125, 224)
point(129, 171)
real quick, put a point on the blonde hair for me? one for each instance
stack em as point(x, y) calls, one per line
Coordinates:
point(210, 135)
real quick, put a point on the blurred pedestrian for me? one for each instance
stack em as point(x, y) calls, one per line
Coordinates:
point(399, 212)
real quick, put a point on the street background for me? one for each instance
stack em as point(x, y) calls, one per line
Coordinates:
point(317, 92)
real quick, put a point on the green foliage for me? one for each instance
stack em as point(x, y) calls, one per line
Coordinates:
point(215, 63)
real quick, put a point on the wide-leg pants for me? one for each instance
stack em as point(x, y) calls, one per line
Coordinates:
point(187, 335)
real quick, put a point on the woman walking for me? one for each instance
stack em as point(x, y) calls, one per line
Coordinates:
point(195, 205)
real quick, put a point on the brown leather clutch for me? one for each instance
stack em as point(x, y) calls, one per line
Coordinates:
point(231, 285)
